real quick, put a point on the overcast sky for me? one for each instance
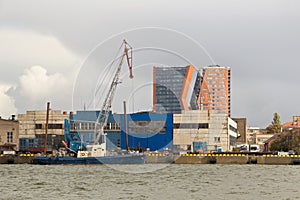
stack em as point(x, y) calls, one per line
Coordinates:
point(56, 51)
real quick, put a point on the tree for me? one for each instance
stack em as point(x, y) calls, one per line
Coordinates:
point(276, 126)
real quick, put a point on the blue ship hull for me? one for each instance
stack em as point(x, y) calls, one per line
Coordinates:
point(118, 159)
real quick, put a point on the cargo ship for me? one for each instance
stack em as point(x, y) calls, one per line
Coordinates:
point(96, 155)
point(68, 160)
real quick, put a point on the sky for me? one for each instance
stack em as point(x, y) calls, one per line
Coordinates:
point(60, 51)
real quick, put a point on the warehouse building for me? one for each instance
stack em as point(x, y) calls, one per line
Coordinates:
point(82, 128)
point(146, 131)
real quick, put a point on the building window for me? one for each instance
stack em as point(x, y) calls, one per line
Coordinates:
point(147, 127)
point(203, 126)
point(38, 126)
point(92, 126)
point(191, 126)
point(84, 126)
point(232, 140)
point(232, 129)
point(55, 126)
point(217, 139)
point(9, 137)
point(31, 143)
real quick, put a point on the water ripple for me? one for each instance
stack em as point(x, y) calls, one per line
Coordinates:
point(169, 182)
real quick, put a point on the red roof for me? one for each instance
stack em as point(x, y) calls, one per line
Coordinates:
point(291, 125)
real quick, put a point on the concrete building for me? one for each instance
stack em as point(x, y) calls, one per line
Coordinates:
point(252, 132)
point(216, 131)
point(9, 134)
point(258, 136)
point(215, 89)
point(175, 89)
point(32, 129)
point(260, 139)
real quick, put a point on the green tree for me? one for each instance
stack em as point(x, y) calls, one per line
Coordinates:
point(275, 126)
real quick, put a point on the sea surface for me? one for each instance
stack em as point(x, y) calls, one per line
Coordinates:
point(149, 182)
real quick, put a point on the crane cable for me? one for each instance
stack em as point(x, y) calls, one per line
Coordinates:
point(132, 92)
point(106, 72)
point(108, 80)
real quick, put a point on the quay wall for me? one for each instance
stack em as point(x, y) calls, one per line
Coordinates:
point(192, 160)
point(265, 159)
point(14, 159)
point(159, 158)
point(225, 159)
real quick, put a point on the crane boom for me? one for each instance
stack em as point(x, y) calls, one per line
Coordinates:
point(106, 106)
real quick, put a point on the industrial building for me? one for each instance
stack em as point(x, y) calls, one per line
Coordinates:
point(32, 126)
point(150, 131)
point(175, 89)
point(82, 128)
point(9, 134)
point(215, 89)
point(207, 130)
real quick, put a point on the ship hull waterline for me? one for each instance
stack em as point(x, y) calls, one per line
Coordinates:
point(120, 159)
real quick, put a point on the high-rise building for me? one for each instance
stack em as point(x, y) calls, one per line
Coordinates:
point(215, 89)
point(175, 89)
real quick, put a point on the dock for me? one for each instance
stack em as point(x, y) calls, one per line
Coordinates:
point(213, 158)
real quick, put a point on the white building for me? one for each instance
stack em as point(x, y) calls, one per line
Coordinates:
point(215, 130)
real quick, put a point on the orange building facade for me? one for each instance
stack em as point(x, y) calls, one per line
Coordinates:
point(215, 89)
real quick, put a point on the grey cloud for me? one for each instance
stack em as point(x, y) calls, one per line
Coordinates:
point(258, 39)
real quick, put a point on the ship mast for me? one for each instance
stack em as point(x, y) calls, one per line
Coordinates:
point(46, 128)
point(126, 125)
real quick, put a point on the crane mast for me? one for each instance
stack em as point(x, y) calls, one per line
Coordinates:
point(106, 106)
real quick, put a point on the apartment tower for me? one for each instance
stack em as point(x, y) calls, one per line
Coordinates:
point(215, 89)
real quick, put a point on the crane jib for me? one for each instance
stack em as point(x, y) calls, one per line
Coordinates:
point(106, 107)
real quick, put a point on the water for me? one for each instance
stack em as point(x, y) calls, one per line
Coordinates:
point(160, 182)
